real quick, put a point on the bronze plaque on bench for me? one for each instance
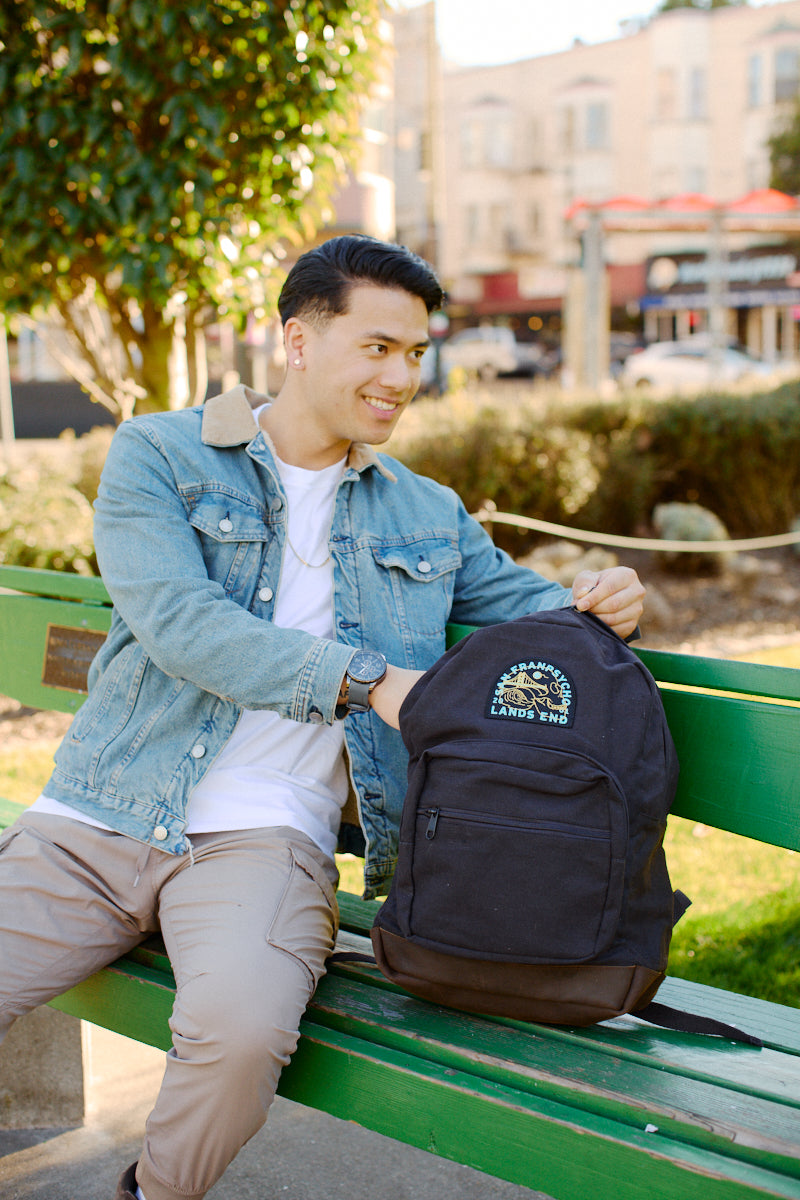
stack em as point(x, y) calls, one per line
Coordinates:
point(68, 655)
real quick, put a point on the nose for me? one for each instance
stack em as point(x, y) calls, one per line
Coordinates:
point(397, 373)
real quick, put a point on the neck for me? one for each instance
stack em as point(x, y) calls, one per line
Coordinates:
point(296, 439)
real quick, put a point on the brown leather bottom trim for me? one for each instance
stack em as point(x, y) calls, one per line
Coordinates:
point(578, 994)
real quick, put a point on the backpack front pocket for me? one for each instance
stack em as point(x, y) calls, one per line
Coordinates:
point(522, 850)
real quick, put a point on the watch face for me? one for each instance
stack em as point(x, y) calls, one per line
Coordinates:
point(367, 666)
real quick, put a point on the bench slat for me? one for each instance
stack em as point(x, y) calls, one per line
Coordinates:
point(740, 767)
point(626, 1056)
point(24, 625)
point(516, 1136)
point(707, 1092)
point(89, 589)
point(720, 674)
point(514, 1133)
point(622, 1074)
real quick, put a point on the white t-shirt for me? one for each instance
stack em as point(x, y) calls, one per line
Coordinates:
point(273, 771)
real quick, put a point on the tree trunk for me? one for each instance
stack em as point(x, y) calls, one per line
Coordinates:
point(174, 369)
point(197, 357)
point(158, 361)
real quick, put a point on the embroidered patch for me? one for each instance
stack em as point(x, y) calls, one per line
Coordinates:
point(533, 691)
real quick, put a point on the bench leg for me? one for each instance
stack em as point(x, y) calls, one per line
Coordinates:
point(41, 1072)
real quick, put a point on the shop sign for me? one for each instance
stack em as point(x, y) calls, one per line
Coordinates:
point(750, 278)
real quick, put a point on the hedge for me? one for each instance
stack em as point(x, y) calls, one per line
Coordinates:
point(601, 465)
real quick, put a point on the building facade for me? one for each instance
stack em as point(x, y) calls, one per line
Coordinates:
point(680, 105)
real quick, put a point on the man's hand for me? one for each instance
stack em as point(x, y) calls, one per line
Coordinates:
point(615, 595)
point(387, 698)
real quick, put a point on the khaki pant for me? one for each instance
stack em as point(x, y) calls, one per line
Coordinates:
point(248, 921)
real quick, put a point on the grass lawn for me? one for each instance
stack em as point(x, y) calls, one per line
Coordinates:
point(741, 933)
point(743, 929)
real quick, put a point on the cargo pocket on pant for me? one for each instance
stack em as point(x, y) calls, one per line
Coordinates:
point(306, 919)
point(8, 835)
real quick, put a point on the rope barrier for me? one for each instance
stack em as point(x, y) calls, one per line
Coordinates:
point(488, 514)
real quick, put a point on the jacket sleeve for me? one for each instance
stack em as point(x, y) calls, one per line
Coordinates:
point(490, 587)
point(152, 565)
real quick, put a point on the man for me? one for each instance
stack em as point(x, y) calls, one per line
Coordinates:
point(278, 588)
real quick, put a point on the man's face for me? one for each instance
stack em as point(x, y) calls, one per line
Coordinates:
point(361, 369)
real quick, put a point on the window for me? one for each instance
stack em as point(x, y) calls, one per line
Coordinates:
point(756, 173)
point(487, 140)
point(471, 224)
point(597, 126)
point(470, 143)
point(534, 220)
point(787, 73)
point(567, 129)
point(755, 75)
point(498, 142)
point(695, 179)
point(665, 94)
point(697, 94)
point(535, 150)
point(499, 216)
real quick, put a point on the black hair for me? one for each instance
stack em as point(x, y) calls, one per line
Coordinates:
point(318, 286)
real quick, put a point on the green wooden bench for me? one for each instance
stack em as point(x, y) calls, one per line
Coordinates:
point(618, 1111)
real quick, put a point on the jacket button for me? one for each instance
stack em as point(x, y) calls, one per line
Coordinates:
point(315, 717)
point(225, 525)
point(160, 833)
point(198, 751)
point(424, 567)
point(265, 593)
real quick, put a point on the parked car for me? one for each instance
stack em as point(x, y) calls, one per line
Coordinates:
point(690, 363)
point(620, 347)
point(489, 351)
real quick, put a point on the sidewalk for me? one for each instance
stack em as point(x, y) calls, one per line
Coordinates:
point(300, 1155)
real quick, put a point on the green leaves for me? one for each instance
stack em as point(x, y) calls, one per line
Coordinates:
point(136, 132)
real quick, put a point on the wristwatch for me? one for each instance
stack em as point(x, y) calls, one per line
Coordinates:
point(366, 669)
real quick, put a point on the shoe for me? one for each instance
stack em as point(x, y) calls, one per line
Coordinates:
point(126, 1188)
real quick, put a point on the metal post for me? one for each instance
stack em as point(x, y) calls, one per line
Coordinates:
point(6, 408)
point(593, 278)
point(717, 287)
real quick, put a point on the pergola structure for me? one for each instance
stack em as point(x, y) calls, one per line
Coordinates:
point(764, 211)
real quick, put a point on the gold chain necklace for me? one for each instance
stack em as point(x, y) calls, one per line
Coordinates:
point(300, 557)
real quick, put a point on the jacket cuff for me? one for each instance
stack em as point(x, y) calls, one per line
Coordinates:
point(319, 683)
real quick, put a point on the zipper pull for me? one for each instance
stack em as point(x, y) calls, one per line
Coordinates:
point(433, 820)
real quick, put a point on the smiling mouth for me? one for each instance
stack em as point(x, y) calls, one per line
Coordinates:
point(382, 405)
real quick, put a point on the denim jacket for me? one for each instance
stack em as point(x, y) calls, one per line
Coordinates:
point(190, 526)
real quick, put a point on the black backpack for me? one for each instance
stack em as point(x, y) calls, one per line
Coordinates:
point(531, 879)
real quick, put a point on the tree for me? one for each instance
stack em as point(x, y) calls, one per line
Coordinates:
point(784, 153)
point(669, 5)
point(155, 161)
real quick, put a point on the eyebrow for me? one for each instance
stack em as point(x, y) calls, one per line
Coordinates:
point(376, 335)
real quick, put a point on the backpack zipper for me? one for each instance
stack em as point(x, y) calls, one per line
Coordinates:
point(473, 818)
point(433, 820)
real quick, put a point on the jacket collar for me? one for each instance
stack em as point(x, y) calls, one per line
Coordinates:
point(228, 421)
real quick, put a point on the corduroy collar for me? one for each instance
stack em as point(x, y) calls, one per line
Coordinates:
point(228, 421)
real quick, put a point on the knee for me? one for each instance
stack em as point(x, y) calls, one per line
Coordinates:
point(242, 1031)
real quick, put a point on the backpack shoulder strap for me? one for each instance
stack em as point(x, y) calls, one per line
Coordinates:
point(683, 1022)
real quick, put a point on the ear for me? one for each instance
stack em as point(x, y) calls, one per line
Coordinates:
point(294, 337)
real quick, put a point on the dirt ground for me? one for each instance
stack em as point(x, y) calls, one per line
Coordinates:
point(753, 604)
point(721, 611)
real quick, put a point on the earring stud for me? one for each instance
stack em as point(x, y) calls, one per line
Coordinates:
point(297, 362)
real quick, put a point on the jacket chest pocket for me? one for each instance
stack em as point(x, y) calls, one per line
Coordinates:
point(234, 538)
point(421, 580)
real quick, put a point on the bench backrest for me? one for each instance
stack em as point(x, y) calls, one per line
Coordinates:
point(51, 626)
point(736, 725)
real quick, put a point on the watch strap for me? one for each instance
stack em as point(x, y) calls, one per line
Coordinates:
point(358, 695)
